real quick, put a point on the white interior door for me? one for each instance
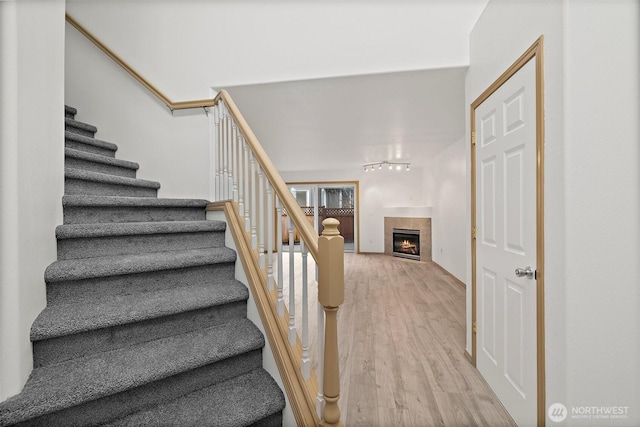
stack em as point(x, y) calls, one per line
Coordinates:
point(505, 126)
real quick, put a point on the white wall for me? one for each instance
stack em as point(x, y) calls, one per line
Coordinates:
point(31, 172)
point(229, 43)
point(448, 180)
point(591, 188)
point(268, 360)
point(378, 190)
point(171, 149)
point(602, 139)
point(503, 32)
point(327, 43)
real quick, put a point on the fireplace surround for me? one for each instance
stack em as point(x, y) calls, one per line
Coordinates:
point(409, 223)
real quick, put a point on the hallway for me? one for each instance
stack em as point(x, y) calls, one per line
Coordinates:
point(402, 333)
point(401, 338)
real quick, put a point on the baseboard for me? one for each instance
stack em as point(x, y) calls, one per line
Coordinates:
point(468, 356)
point(455, 279)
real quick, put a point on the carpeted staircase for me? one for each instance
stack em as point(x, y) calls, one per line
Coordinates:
point(145, 324)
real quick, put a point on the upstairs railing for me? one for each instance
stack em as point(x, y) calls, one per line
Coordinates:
point(268, 212)
point(259, 206)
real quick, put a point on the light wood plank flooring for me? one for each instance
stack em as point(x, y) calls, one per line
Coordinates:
point(401, 338)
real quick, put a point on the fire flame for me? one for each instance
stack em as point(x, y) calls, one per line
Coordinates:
point(407, 246)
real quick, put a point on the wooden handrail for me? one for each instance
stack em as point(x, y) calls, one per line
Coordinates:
point(331, 285)
point(180, 105)
point(301, 393)
point(304, 227)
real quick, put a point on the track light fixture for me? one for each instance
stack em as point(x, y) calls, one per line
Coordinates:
point(390, 165)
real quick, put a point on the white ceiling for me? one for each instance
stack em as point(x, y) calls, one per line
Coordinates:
point(345, 122)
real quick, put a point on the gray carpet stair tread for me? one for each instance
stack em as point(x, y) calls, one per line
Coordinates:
point(96, 158)
point(71, 231)
point(67, 384)
point(59, 320)
point(70, 173)
point(112, 201)
point(80, 125)
point(240, 401)
point(87, 268)
point(70, 110)
point(90, 141)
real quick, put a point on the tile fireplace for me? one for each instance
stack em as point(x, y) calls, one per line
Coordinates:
point(422, 240)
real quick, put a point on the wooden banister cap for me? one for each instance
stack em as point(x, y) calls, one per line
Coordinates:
point(330, 227)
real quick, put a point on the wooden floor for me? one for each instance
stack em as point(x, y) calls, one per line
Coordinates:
point(401, 337)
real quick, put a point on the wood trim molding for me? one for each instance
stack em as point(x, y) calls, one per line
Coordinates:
point(454, 278)
point(468, 356)
point(536, 52)
point(181, 105)
point(356, 184)
point(301, 393)
point(305, 229)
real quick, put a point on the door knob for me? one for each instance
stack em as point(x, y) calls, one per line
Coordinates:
point(527, 272)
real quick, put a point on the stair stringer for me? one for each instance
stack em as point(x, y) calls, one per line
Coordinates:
point(218, 211)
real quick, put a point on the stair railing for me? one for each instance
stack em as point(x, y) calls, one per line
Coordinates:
point(267, 213)
point(255, 199)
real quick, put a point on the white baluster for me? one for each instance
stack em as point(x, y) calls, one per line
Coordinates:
point(216, 147)
point(270, 242)
point(306, 362)
point(292, 284)
point(224, 177)
point(240, 174)
point(261, 213)
point(247, 188)
point(320, 373)
point(280, 303)
point(234, 157)
point(229, 157)
point(316, 213)
point(254, 204)
point(316, 218)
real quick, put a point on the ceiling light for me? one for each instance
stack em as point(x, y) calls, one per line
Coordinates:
point(389, 164)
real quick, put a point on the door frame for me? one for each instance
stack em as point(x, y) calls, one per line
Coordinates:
point(356, 212)
point(535, 52)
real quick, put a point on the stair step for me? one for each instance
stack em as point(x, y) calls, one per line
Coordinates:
point(135, 370)
point(79, 128)
point(83, 160)
point(90, 268)
point(70, 112)
point(93, 183)
point(63, 332)
point(90, 279)
point(250, 399)
point(93, 209)
point(77, 241)
point(89, 144)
